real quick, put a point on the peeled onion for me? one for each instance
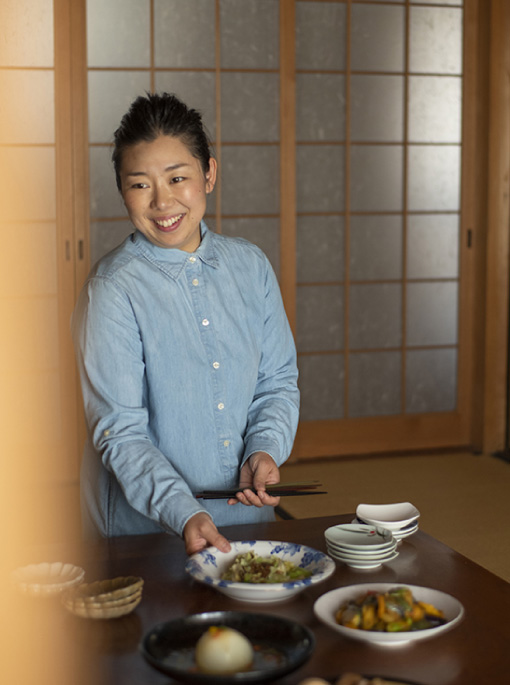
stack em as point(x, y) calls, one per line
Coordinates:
point(223, 650)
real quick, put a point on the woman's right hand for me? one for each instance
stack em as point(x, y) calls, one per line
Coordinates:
point(200, 532)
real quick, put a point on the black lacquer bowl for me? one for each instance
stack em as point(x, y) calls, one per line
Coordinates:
point(280, 646)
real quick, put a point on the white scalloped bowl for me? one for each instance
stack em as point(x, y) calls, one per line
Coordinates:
point(209, 565)
point(47, 578)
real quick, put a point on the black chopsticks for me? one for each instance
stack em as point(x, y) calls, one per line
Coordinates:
point(278, 490)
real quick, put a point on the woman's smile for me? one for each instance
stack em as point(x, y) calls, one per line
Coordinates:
point(164, 189)
point(168, 224)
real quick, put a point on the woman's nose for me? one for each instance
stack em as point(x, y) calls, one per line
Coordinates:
point(162, 196)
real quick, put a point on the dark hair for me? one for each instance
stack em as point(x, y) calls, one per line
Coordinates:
point(153, 115)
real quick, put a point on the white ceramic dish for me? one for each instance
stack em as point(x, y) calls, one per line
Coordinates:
point(363, 562)
point(209, 565)
point(363, 550)
point(356, 536)
point(398, 534)
point(389, 516)
point(328, 604)
point(362, 556)
point(404, 533)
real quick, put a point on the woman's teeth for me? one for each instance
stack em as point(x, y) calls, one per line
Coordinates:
point(169, 222)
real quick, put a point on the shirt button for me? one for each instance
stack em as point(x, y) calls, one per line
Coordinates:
point(221, 406)
point(226, 443)
point(195, 281)
point(106, 433)
point(205, 322)
point(216, 365)
point(193, 259)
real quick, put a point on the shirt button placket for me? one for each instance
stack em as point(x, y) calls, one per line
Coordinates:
point(220, 406)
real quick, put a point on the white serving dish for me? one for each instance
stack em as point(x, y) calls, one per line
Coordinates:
point(209, 565)
point(328, 604)
point(389, 516)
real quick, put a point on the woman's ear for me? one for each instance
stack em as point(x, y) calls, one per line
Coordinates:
point(210, 176)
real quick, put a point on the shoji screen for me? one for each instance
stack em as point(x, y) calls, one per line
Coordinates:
point(379, 149)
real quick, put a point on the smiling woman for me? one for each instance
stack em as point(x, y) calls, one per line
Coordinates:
point(166, 202)
point(187, 361)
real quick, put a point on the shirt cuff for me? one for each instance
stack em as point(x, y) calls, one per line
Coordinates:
point(180, 508)
point(268, 446)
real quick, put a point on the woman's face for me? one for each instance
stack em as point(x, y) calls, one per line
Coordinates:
point(164, 189)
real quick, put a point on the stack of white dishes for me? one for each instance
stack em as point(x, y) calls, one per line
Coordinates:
point(360, 545)
point(401, 519)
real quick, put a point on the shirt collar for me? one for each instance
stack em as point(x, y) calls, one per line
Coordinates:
point(172, 261)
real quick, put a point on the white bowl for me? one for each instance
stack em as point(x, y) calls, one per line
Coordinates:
point(328, 604)
point(209, 565)
point(389, 516)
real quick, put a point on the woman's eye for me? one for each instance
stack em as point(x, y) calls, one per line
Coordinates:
point(139, 185)
point(177, 179)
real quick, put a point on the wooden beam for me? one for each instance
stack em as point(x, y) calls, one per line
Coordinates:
point(498, 222)
point(288, 221)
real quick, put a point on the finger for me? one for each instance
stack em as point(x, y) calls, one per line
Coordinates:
point(220, 542)
point(261, 480)
point(268, 500)
point(243, 497)
point(253, 498)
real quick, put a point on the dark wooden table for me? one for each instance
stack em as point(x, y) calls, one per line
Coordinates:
point(475, 652)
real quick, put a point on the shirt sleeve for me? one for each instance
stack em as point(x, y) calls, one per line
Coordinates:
point(274, 412)
point(109, 351)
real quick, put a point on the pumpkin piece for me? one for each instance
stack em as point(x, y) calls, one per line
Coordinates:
point(368, 616)
point(431, 610)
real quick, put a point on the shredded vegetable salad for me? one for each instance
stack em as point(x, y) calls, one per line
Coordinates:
point(250, 568)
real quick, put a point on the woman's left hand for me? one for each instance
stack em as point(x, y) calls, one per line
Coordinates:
point(259, 471)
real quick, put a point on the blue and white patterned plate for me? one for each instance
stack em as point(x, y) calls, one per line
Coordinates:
point(209, 565)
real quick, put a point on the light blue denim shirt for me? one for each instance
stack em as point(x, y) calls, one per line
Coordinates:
point(187, 366)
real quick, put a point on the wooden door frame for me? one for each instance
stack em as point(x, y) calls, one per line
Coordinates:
point(495, 382)
point(73, 225)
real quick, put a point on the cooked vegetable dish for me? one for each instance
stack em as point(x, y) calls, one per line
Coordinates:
point(250, 568)
point(393, 611)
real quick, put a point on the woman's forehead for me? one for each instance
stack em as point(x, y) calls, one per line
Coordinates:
point(166, 152)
